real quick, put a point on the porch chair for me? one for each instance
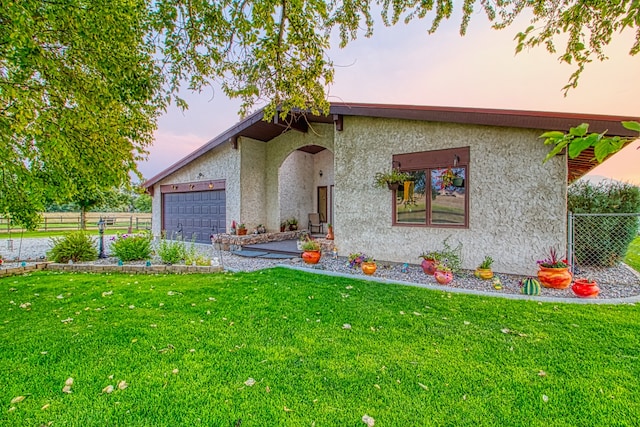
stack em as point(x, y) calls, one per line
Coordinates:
point(315, 221)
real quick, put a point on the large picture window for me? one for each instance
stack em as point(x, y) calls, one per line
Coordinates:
point(437, 194)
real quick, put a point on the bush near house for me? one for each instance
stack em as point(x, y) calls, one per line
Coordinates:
point(614, 234)
point(77, 246)
point(131, 247)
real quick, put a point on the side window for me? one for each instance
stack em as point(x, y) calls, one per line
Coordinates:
point(437, 194)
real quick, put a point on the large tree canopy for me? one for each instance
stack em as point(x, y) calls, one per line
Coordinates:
point(82, 82)
point(79, 99)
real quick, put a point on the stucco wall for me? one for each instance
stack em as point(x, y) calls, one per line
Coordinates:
point(252, 179)
point(516, 205)
point(223, 162)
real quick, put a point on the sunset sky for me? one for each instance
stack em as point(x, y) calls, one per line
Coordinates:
point(405, 65)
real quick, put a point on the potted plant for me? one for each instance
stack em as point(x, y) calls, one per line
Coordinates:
point(443, 273)
point(283, 226)
point(242, 229)
point(554, 272)
point(392, 179)
point(368, 265)
point(356, 259)
point(329, 235)
point(484, 269)
point(429, 261)
point(310, 251)
point(293, 224)
point(585, 288)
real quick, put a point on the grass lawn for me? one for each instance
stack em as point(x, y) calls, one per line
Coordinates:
point(188, 347)
point(633, 254)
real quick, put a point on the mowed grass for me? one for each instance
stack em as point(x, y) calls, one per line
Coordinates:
point(633, 255)
point(187, 346)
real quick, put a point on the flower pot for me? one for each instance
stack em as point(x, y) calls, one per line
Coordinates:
point(585, 289)
point(443, 277)
point(428, 266)
point(484, 273)
point(458, 181)
point(282, 228)
point(557, 278)
point(392, 186)
point(329, 235)
point(242, 231)
point(293, 227)
point(368, 268)
point(311, 257)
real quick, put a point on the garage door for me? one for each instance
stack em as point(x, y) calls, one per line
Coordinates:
point(198, 214)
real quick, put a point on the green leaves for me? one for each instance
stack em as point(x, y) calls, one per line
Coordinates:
point(577, 141)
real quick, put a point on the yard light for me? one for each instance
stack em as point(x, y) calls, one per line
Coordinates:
point(101, 226)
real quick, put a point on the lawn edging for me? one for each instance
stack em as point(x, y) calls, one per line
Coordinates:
point(93, 268)
point(444, 288)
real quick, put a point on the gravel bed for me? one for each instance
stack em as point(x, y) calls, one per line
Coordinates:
point(616, 282)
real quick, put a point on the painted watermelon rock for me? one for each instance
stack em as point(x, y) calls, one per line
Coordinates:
point(530, 286)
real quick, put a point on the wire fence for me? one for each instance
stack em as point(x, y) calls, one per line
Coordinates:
point(600, 241)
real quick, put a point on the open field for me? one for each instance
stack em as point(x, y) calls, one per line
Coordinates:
point(281, 347)
point(68, 221)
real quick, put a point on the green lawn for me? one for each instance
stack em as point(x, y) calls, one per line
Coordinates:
point(186, 345)
point(633, 255)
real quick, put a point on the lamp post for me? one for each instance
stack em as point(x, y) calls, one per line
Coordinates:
point(101, 226)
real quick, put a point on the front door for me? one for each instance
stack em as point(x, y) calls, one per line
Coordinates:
point(322, 203)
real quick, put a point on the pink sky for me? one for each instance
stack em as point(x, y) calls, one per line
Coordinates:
point(404, 65)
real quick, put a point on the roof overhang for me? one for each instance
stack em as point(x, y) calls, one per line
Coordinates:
point(256, 128)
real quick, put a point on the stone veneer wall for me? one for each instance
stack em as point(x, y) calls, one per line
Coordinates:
point(92, 268)
point(223, 162)
point(517, 205)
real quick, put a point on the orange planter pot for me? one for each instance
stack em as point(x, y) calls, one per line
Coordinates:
point(557, 278)
point(443, 277)
point(311, 257)
point(484, 273)
point(330, 235)
point(242, 231)
point(369, 268)
point(428, 266)
point(585, 289)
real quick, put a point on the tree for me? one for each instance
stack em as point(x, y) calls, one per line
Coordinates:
point(82, 82)
point(79, 97)
point(276, 51)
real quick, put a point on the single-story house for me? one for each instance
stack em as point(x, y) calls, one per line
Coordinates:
point(509, 206)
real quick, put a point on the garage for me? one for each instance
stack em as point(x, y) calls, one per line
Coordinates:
point(194, 214)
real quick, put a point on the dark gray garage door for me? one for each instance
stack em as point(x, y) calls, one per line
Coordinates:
point(196, 213)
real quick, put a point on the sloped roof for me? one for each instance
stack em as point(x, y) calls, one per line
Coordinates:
point(254, 127)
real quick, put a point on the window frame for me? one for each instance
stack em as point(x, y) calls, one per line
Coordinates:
point(426, 161)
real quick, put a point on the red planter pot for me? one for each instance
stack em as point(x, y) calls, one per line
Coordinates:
point(368, 268)
point(443, 277)
point(311, 257)
point(428, 266)
point(585, 289)
point(557, 278)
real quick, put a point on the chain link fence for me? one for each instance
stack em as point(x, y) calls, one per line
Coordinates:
point(600, 241)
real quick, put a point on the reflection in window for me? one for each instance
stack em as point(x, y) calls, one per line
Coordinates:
point(411, 202)
point(447, 205)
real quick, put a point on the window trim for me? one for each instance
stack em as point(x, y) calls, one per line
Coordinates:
point(426, 161)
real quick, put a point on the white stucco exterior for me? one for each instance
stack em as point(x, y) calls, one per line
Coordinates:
point(516, 204)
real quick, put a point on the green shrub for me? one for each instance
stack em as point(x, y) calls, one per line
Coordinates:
point(603, 240)
point(76, 246)
point(131, 247)
point(171, 251)
point(193, 256)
